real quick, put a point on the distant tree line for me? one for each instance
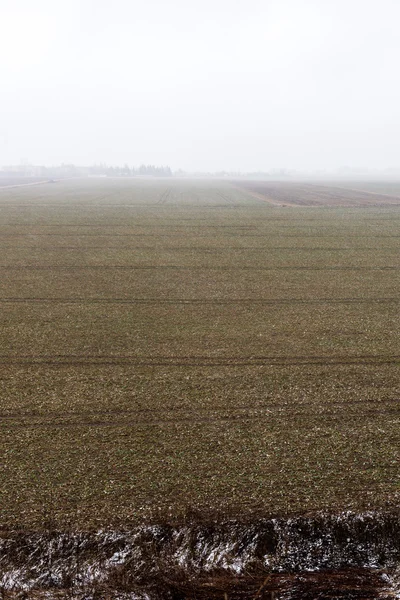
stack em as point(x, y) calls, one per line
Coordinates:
point(127, 171)
point(71, 170)
point(104, 170)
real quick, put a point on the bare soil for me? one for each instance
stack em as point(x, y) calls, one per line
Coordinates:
point(307, 194)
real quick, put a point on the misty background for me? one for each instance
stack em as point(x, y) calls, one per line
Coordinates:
point(211, 85)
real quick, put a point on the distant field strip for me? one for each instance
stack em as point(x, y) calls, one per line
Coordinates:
point(299, 194)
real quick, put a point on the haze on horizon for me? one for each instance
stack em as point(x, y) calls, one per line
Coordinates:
point(218, 84)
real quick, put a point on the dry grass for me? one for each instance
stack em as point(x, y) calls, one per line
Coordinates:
point(167, 346)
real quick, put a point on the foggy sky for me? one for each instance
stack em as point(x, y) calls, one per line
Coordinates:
point(201, 85)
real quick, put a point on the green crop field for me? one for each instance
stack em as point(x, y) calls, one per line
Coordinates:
point(227, 348)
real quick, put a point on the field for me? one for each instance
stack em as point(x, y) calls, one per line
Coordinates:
point(192, 347)
point(350, 194)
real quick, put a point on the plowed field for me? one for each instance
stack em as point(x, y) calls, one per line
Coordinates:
point(312, 194)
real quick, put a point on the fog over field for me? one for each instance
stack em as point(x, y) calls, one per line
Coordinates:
point(199, 299)
point(220, 84)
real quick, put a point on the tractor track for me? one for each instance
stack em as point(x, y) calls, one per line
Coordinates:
point(275, 409)
point(164, 197)
point(199, 301)
point(214, 249)
point(44, 422)
point(192, 268)
point(267, 234)
point(194, 361)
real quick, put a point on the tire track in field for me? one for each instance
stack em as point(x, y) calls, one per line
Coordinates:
point(229, 201)
point(189, 268)
point(140, 226)
point(215, 249)
point(123, 413)
point(195, 360)
point(164, 197)
point(126, 423)
point(18, 185)
point(149, 204)
point(200, 301)
point(261, 201)
point(156, 235)
point(80, 235)
point(80, 205)
point(117, 224)
point(273, 408)
point(176, 420)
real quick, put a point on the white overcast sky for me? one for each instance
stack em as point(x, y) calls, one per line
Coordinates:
point(201, 85)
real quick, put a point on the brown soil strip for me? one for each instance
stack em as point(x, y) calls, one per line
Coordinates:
point(361, 190)
point(305, 195)
point(343, 584)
